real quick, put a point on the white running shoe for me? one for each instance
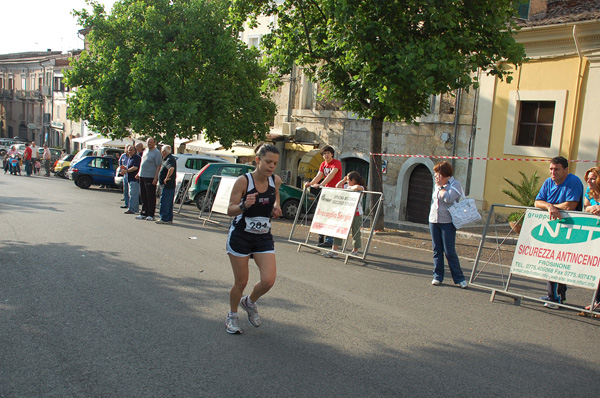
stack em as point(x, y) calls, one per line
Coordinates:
point(140, 217)
point(252, 311)
point(330, 254)
point(149, 218)
point(231, 324)
point(436, 282)
point(463, 284)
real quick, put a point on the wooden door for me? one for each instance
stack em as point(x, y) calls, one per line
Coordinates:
point(420, 189)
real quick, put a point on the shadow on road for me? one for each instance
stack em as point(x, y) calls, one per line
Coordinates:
point(24, 204)
point(81, 323)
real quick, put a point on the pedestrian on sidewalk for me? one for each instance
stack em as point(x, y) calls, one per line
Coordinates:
point(139, 149)
point(591, 204)
point(6, 162)
point(443, 233)
point(254, 200)
point(561, 191)
point(330, 173)
point(353, 182)
point(166, 179)
point(148, 178)
point(27, 153)
point(34, 157)
point(13, 159)
point(123, 160)
point(46, 156)
point(131, 171)
point(591, 198)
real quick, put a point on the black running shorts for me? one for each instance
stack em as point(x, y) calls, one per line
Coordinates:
point(243, 244)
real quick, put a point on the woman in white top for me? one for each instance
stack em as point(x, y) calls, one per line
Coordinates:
point(443, 233)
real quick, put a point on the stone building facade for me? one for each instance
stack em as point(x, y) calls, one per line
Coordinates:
point(307, 120)
point(33, 98)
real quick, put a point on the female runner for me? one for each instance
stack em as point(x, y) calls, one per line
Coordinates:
point(254, 200)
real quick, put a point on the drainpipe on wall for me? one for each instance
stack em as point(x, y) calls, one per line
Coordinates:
point(30, 137)
point(292, 80)
point(4, 125)
point(472, 138)
point(289, 118)
point(577, 90)
point(43, 105)
point(456, 116)
point(49, 137)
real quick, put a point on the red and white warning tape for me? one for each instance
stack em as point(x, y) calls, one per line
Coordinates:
point(472, 158)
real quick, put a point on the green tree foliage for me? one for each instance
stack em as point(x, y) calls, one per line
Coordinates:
point(385, 58)
point(165, 68)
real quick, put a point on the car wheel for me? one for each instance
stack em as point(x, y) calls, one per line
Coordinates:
point(200, 200)
point(63, 173)
point(84, 182)
point(290, 208)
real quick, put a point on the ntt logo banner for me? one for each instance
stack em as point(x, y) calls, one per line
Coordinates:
point(565, 251)
point(567, 231)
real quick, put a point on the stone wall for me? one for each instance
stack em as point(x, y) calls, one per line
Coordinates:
point(325, 124)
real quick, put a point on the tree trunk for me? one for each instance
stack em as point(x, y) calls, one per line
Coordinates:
point(375, 173)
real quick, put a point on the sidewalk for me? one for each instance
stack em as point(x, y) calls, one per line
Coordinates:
point(474, 231)
point(467, 239)
point(409, 235)
point(413, 235)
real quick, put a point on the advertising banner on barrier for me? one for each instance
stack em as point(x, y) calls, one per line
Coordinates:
point(565, 251)
point(221, 202)
point(334, 213)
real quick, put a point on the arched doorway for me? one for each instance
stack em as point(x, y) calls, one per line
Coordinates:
point(68, 144)
point(362, 167)
point(418, 201)
point(356, 164)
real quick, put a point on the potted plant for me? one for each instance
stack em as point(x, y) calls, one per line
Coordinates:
point(524, 193)
point(515, 220)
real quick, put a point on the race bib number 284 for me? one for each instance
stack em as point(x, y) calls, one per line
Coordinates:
point(258, 225)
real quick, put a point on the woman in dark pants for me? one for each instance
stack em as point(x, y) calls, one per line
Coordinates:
point(443, 233)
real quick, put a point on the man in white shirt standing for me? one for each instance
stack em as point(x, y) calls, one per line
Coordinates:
point(148, 177)
point(46, 156)
point(34, 155)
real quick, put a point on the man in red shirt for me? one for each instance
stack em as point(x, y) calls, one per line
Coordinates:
point(27, 158)
point(330, 173)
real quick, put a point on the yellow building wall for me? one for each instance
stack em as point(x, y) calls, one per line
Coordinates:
point(555, 74)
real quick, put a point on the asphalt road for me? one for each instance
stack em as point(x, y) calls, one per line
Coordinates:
point(94, 303)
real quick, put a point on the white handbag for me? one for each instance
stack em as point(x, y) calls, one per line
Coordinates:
point(463, 212)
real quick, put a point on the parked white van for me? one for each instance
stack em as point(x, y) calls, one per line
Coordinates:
point(192, 162)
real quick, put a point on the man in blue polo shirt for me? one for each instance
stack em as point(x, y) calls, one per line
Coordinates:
point(562, 191)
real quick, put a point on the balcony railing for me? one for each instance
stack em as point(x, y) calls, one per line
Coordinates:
point(6, 94)
point(29, 94)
